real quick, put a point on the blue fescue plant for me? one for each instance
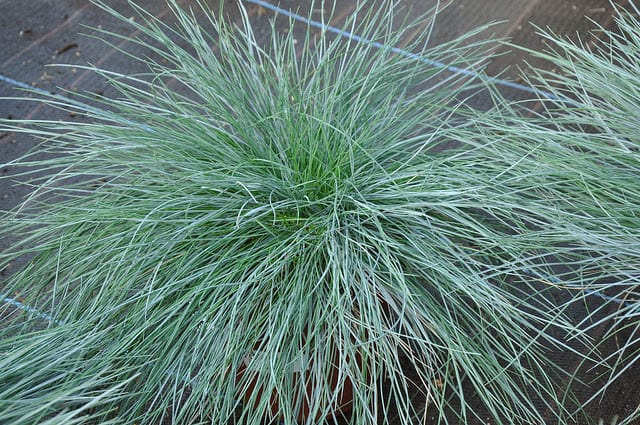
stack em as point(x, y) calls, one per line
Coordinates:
point(594, 112)
point(246, 211)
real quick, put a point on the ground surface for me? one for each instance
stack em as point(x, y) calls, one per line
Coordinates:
point(38, 33)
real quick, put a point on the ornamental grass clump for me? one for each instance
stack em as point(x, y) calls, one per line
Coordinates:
point(249, 216)
point(594, 112)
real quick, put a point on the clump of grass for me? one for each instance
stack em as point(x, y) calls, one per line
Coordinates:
point(326, 201)
point(593, 113)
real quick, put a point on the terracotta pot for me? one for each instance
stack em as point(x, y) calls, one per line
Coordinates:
point(301, 377)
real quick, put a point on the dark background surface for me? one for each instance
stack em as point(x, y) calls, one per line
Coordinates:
point(37, 33)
